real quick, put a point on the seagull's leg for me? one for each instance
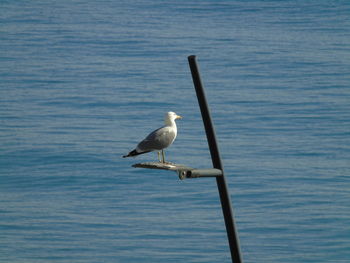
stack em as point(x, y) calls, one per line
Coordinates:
point(163, 155)
point(159, 157)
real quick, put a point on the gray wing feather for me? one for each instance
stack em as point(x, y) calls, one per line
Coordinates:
point(157, 140)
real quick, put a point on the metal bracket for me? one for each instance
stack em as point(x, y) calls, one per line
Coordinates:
point(196, 173)
point(183, 171)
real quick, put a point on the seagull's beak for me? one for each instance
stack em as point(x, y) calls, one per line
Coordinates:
point(178, 117)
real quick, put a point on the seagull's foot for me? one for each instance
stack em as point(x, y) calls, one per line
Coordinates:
point(165, 162)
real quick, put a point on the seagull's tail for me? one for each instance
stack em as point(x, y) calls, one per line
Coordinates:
point(134, 153)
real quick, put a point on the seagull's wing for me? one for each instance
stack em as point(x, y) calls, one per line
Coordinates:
point(157, 140)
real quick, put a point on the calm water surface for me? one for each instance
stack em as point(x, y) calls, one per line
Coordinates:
point(81, 82)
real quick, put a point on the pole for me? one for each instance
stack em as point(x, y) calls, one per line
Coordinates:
point(216, 160)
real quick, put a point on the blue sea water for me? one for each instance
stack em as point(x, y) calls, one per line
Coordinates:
point(81, 82)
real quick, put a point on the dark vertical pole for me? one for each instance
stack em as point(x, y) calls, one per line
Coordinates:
point(215, 156)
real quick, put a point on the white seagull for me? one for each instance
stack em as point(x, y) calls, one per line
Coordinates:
point(159, 139)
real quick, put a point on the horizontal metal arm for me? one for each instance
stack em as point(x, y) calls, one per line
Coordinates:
point(196, 173)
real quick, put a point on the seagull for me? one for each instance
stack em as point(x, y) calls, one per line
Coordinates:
point(159, 139)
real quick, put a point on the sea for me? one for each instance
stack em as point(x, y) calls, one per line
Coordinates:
point(82, 82)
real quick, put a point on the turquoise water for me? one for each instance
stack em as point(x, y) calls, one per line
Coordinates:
point(81, 82)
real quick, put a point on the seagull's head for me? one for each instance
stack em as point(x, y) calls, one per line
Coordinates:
point(171, 116)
